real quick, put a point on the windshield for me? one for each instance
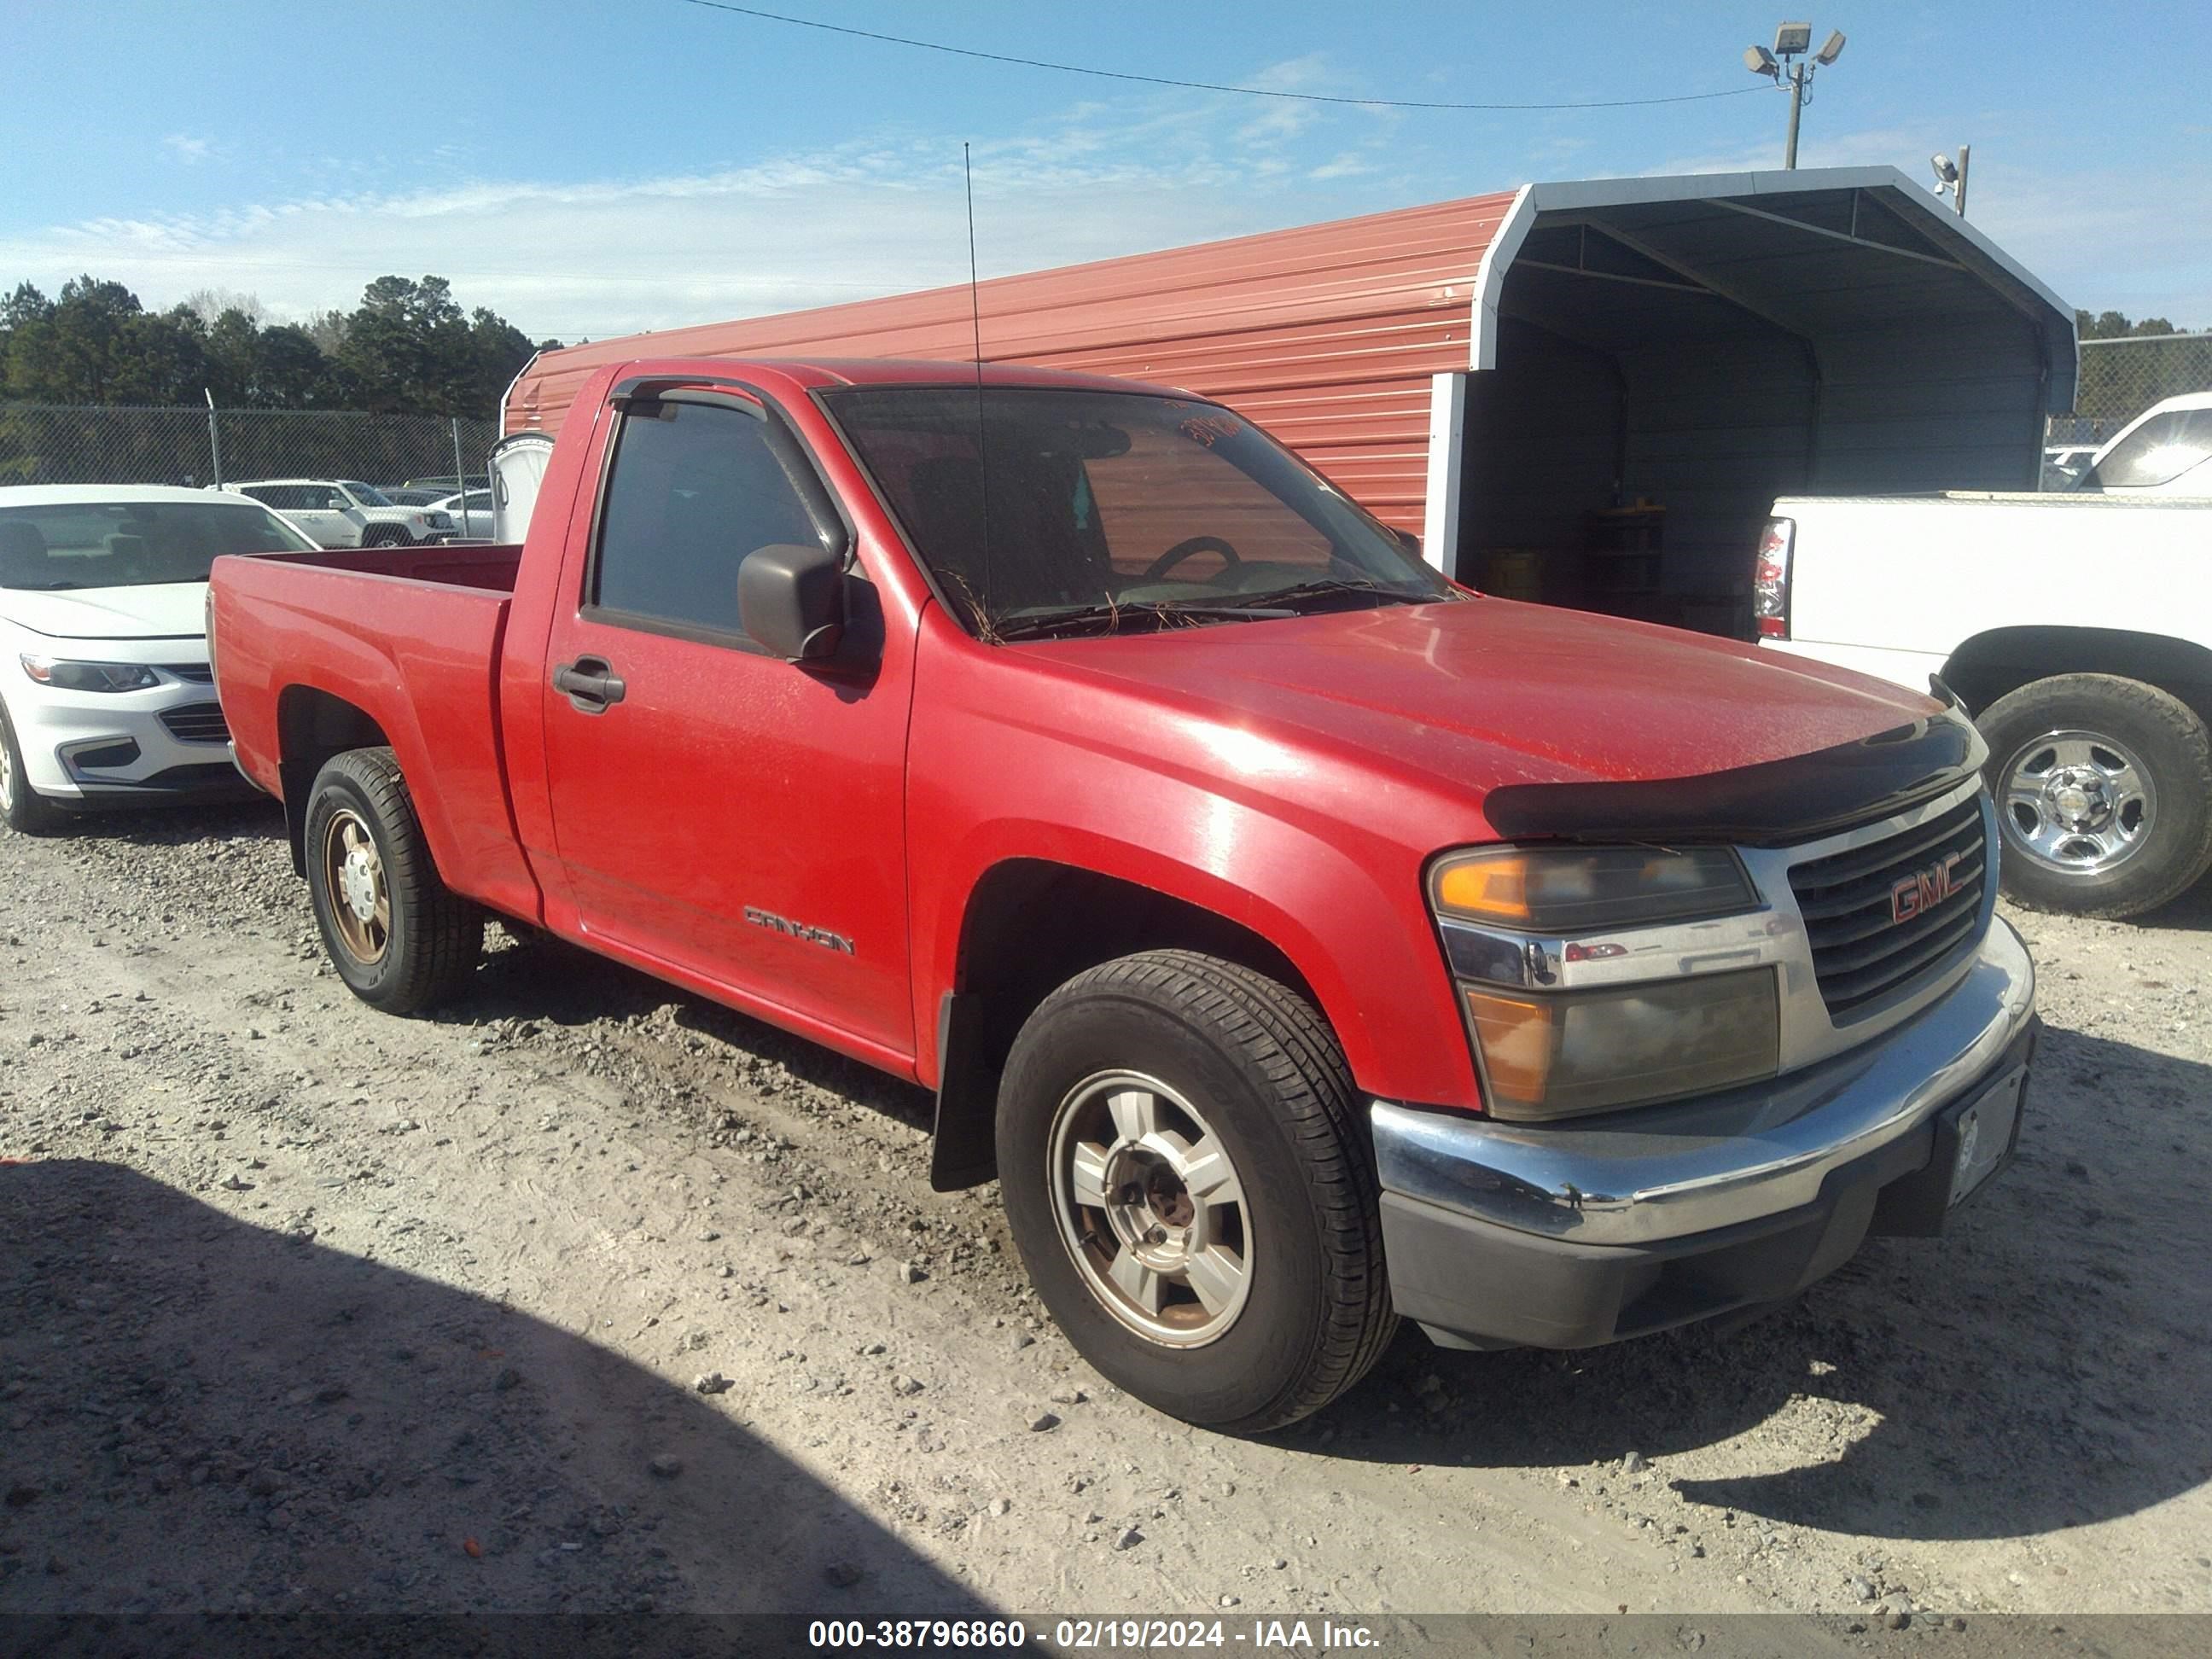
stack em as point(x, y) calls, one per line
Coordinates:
point(1113, 512)
point(2156, 453)
point(132, 544)
point(367, 494)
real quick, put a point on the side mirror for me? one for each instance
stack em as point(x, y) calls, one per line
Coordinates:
point(1409, 541)
point(335, 504)
point(791, 598)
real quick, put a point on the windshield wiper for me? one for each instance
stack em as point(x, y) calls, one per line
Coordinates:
point(1330, 586)
point(1159, 610)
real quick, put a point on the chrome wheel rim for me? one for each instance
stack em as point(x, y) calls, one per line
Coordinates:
point(7, 778)
point(353, 870)
point(2078, 803)
point(1151, 1208)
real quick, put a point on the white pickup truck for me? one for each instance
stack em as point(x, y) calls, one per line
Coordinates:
point(2077, 629)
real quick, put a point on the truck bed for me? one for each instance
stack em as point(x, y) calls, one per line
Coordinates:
point(406, 639)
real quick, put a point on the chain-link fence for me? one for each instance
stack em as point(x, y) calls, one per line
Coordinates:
point(2122, 378)
point(55, 443)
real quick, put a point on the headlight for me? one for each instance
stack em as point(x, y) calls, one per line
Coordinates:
point(90, 676)
point(1568, 890)
point(1521, 926)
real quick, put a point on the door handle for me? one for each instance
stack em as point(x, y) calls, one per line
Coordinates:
point(591, 685)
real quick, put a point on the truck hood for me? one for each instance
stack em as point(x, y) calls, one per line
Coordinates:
point(155, 611)
point(1489, 694)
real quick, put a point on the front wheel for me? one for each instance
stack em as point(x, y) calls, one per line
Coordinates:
point(2104, 794)
point(387, 535)
point(25, 810)
point(399, 938)
point(1188, 1185)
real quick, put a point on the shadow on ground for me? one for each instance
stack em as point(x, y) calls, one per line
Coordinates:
point(2044, 1367)
point(202, 1415)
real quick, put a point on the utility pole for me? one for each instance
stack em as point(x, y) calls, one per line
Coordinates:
point(215, 436)
point(1792, 41)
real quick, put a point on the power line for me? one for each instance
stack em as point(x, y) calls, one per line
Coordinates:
point(1200, 86)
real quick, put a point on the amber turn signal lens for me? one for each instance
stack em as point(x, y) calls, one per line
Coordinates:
point(1493, 887)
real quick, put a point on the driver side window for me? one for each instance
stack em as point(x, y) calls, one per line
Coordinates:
point(694, 489)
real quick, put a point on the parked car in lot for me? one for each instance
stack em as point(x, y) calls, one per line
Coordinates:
point(403, 496)
point(471, 514)
point(1302, 941)
point(346, 512)
point(2164, 451)
point(2062, 464)
point(446, 483)
point(2077, 628)
point(106, 695)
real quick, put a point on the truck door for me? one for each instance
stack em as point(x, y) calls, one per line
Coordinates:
point(716, 809)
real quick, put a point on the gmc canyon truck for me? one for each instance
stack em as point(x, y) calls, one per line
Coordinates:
point(1302, 942)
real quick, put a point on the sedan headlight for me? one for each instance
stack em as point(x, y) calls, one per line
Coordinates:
point(1521, 926)
point(89, 676)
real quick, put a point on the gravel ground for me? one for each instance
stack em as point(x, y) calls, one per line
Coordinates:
point(593, 1296)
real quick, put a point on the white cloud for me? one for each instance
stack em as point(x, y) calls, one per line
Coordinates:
point(185, 148)
point(877, 215)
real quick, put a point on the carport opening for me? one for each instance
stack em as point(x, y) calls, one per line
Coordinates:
point(1665, 369)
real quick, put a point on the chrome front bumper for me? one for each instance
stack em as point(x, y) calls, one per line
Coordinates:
point(1467, 1198)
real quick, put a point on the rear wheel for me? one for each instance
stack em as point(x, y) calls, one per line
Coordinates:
point(26, 811)
point(1185, 1180)
point(398, 937)
point(386, 535)
point(2104, 794)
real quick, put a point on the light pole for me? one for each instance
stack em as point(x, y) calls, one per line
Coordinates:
point(1791, 42)
point(1952, 176)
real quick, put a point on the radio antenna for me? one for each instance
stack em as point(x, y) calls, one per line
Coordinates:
point(975, 322)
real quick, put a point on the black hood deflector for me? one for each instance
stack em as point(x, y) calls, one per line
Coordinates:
point(1771, 803)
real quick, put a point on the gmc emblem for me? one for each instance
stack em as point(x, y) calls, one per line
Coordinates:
point(1922, 890)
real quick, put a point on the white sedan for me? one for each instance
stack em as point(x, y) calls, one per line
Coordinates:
point(472, 514)
point(105, 695)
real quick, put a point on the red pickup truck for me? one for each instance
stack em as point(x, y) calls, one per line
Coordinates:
point(1302, 941)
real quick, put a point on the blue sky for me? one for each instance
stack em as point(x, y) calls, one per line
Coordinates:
point(589, 169)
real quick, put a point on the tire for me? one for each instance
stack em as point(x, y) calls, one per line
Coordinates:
point(398, 937)
point(387, 535)
point(1221, 1053)
point(2103, 794)
point(24, 810)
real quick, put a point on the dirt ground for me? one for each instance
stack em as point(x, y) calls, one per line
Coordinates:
point(302, 1307)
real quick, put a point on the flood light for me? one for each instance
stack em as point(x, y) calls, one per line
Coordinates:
point(1947, 171)
point(1791, 39)
point(1832, 49)
point(1759, 61)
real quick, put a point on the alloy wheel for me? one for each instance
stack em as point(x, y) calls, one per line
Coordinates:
point(1151, 1208)
point(360, 902)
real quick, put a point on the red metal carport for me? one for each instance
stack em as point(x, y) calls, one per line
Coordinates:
point(1708, 342)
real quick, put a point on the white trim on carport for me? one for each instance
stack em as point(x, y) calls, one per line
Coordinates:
point(1447, 403)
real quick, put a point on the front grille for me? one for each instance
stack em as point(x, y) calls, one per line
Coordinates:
point(196, 722)
point(1862, 954)
point(192, 673)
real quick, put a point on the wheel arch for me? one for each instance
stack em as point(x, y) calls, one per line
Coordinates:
point(1029, 926)
point(1998, 662)
point(312, 725)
